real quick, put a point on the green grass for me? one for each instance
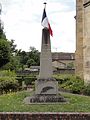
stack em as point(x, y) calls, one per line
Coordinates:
point(13, 102)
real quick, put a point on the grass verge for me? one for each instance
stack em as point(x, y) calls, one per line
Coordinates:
point(13, 102)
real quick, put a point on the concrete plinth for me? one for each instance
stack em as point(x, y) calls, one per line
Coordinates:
point(44, 99)
point(46, 86)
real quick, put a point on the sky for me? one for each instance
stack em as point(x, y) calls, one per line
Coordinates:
point(22, 22)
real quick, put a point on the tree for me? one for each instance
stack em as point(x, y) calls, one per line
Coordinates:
point(29, 58)
point(34, 55)
point(13, 46)
point(14, 61)
point(4, 52)
point(31, 62)
point(14, 64)
point(4, 47)
point(23, 57)
point(2, 34)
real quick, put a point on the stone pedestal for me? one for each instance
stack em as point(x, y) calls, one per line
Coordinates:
point(46, 86)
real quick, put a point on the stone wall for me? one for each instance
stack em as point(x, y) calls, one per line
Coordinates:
point(82, 55)
point(65, 71)
point(85, 1)
point(79, 39)
point(44, 116)
point(86, 42)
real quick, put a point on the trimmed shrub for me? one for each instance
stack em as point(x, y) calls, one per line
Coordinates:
point(86, 90)
point(29, 80)
point(7, 73)
point(62, 78)
point(8, 84)
point(8, 81)
point(71, 83)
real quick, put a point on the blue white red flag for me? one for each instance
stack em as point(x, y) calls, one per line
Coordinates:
point(45, 23)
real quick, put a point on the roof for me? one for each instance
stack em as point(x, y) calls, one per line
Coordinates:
point(63, 56)
point(34, 67)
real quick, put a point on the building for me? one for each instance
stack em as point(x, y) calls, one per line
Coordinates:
point(61, 60)
point(82, 54)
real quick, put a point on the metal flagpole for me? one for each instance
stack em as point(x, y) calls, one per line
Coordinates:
point(45, 5)
point(0, 8)
point(0, 14)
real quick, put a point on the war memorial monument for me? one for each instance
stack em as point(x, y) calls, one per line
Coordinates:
point(46, 87)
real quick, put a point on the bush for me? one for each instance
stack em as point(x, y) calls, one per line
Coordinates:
point(29, 80)
point(76, 85)
point(62, 78)
point(7, 73)
point(71, 83)
point(8, 81)
point(8, 84)
point(86, 90)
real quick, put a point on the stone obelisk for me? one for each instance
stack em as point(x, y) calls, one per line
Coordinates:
point(46, 84)
point(45, 57)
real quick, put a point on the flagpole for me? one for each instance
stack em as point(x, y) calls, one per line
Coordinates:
point(0, 15)
point(45, 5)
point(0, 8)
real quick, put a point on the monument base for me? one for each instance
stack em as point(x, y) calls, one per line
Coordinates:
point(46, 86)
point(44, 99)
point(46, 91)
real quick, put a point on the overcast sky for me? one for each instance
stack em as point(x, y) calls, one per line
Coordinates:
point(22, 22)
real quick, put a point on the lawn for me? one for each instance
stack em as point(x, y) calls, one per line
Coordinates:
point(13, 102)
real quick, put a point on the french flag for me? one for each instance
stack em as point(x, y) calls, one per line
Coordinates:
point(45, 23)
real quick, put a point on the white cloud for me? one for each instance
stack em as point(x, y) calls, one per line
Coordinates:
point(22, 22)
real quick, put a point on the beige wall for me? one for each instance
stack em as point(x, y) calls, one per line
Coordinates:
point(57, 64)
point(85, 1)
point(82, 55)
point(79, 39)
point(63, 63)
point(86, 42)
